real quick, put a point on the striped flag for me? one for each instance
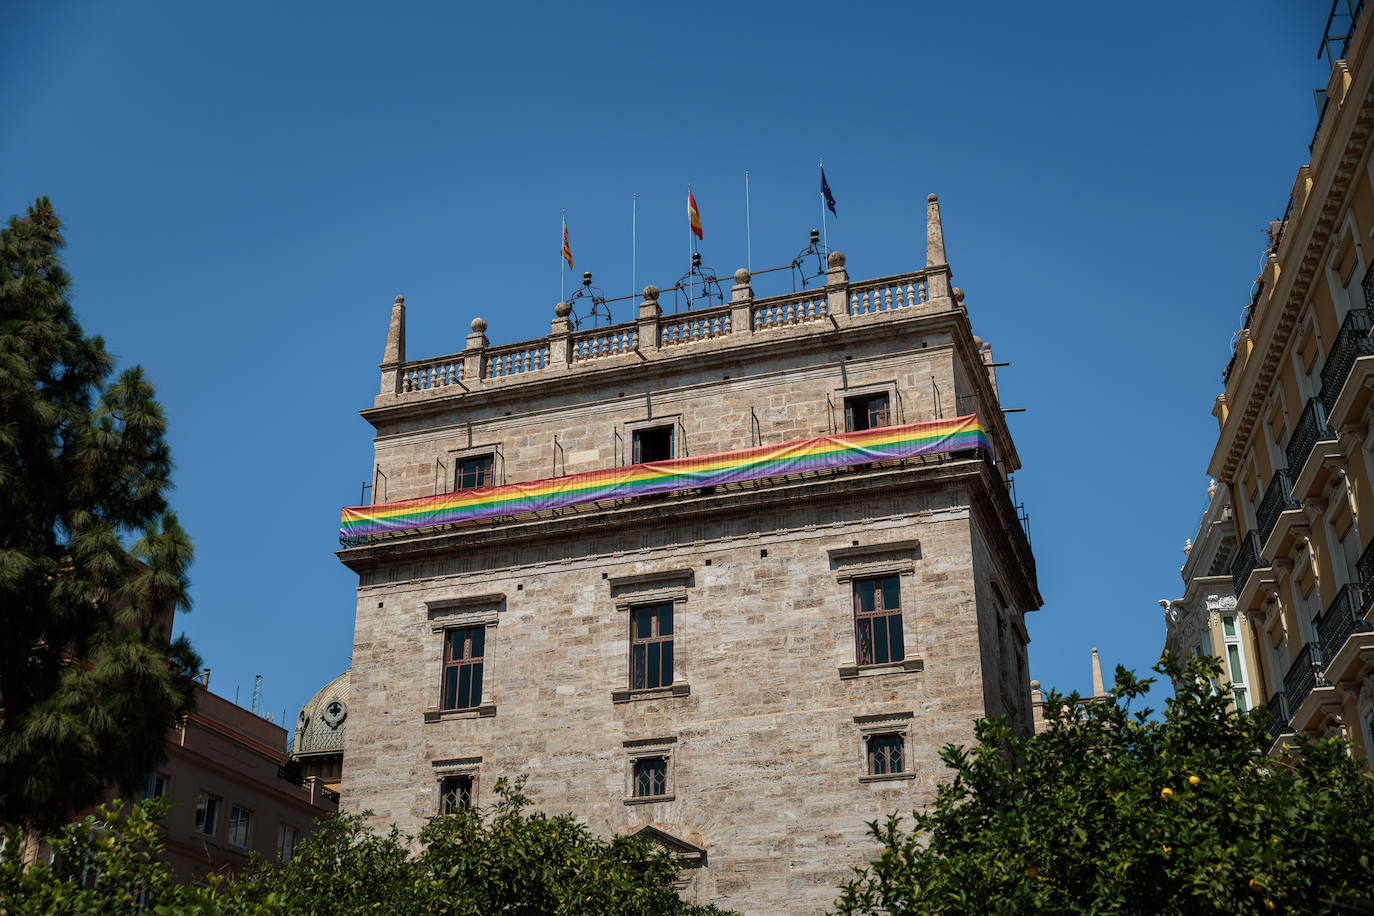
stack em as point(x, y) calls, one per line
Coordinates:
point(567, 249)
point(693, 214)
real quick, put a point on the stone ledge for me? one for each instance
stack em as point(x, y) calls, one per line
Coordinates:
point(906, 666)
point(887, 777)
point(652, 693)
point(647, 799)
point(477, 712)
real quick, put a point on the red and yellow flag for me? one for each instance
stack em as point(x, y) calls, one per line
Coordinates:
point(693, 214)
point(567, 249)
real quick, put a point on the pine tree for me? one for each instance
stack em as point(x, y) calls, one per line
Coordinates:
point(92, 563)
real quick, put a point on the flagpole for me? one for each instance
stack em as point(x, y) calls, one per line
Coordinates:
point(748, 238)
point(562, 275)
point(825, 236)
point(634, 245)
point(691, 281)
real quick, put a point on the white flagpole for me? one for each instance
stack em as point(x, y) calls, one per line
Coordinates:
point(825, 236)
point(748, 238)
point(562, 275)
point(634, 245)
point(691, 281)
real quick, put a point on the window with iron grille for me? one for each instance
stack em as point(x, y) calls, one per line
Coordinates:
point(885, 755)
point(474, 472)
point(651, 646)
point(455, 792)
point(867, 411)
point(463, 654)
point(653, 444)
point(650, 777)
point(878, 621)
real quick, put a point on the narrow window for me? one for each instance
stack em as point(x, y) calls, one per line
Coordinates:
point(651, 776)
point(654, 444)
point(286, 843)
point(455, 792)
point(884, 754)
point(463, 652)
point(474, 472)
point(651, 646)
point(207, 814)
point(154, 785)
point(1234, 667)
point(878, 621)
point(240, 825)
point(868, 411)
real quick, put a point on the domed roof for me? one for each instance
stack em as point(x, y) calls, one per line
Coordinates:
point(320, 726)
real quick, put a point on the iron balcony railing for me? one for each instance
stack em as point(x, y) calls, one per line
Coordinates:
point(1343, 617)
point(1364, 570)
point(1278, 715)
point(1311, 428)
point(1278, 498)
point(1247, 560)
point(1352, 342)
point(1303, 675)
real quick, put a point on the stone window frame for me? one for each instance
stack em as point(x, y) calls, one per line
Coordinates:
point(465, 613)
point(637, 749)
point(492, 449)
point(890, 558)
point(669, 586)
point(631, 427)
point(470, 767)
point(837, 396)
point(882, 724)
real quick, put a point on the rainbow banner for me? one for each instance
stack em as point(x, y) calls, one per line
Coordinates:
point(822, 453)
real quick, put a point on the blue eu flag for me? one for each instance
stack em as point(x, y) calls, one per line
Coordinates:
point(825, 192)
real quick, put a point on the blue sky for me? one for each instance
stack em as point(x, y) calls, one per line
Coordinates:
point(247, 186)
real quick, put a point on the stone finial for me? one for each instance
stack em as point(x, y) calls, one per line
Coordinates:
point(835, 259)
point(563, 309)
point(396, 334)
point(977, 341)
point(478, 338)
point(935, 233)
point(1036, 695)
point(479, 325)
point(742, 291)
point(742, 276)
point(1098, 689)
point(651, 293)
point(958, 294)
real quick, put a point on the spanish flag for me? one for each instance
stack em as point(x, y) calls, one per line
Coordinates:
point(693, 214)
point(567, 249)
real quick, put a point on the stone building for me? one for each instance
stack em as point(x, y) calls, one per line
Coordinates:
point(1295, 452)
point(729, 576)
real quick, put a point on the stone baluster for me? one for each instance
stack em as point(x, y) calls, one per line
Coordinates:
point(836, 285)
point(475, 350)
point(394, 357)
point(741, 303)
point(560, 337)
point(649, 314)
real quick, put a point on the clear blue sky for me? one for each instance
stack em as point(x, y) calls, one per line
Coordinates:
point(247, 186)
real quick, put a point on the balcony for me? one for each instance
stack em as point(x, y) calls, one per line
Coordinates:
point(1278, 498)
point(1344, 617)
point(1364, 568)
point(1247, 560)
point(1278, 715)
point(1311, 428)
point(1303, 675)
point(1352, 342)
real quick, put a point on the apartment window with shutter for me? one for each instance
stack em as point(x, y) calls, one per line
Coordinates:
point(463, 656)
point(286, 842)
point(154, 785)
point(867, 411)
point(473, 472)
point(878, 621)
point(240, 826)
point(207, 814)
point(651, 646)
point(654, 443)
point(1235, 666)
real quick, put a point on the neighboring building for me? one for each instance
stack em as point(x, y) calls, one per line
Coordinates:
point(730, 577)
point(318, 744)
point(1295, 455)
point(226, 773)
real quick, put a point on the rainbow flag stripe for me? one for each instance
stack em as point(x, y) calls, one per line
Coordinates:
point(821, 453)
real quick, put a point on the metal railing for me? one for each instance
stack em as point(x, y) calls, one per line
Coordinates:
point(1304, 675)
point(1278, 715)
point(1310, 429)
point(1352, 342)
point(1364, 570)
point(1344, 617)
point(1247, 560)
point(1277, 499)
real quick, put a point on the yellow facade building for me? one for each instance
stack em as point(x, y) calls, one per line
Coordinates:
point(1279, 579)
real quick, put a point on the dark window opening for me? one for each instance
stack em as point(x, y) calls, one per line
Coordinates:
point(651, 777)
point(463, 653)
point(878, 621)
point(884, 754)
point(154, 785)
point(472, 473)
point(867, 411)
point(651, 646)
point(455, 792)
point(655, 444)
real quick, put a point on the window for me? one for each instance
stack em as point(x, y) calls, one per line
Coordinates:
point(154, 785)
point(474, 472)
point(207, 814)
point(463, 651)
point(651, 646)
point(1234, 667)
point(650, 777)
point(878, 621)
point(885, 755)
point(653, 444)
point(286, 843)
point(455, 792)
point(240, 826)
point(868, 411)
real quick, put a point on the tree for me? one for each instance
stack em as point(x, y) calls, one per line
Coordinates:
point(92, 563)
point(1105, 811)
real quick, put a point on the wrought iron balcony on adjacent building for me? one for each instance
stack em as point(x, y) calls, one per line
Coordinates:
point(1247, 560)
point(1352, 342)
point(1303, 675)
point(1311, 428)
point(1344, 617)
point(1278, 715)
point(1277, 500)
point(1364, 569)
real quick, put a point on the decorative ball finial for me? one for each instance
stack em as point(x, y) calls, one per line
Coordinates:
point(742, 276)
point(836, 259)
point(563, 309)
point(1035, 685)
point(958, 294)
point(977, 342)
point(479, 325)
point(932, 199)
point(651, 293)
point(400, 300)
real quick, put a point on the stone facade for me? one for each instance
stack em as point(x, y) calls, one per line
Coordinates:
point(765, 722)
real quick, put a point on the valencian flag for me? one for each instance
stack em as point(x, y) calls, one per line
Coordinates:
point(693, 214)
point(567, 249)
point(825, 192)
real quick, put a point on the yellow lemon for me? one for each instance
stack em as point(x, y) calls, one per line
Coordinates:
point(1269, 905)
point(1167, 849)
point(1194, 781)
point(1166, 792)
point(1253, 884)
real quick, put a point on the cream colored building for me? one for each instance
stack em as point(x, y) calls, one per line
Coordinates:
point(749, 672)
point(1295, 451)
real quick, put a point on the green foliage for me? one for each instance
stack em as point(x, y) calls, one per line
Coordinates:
point(89, 682)
point(471, 863)
point(1107, 811)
